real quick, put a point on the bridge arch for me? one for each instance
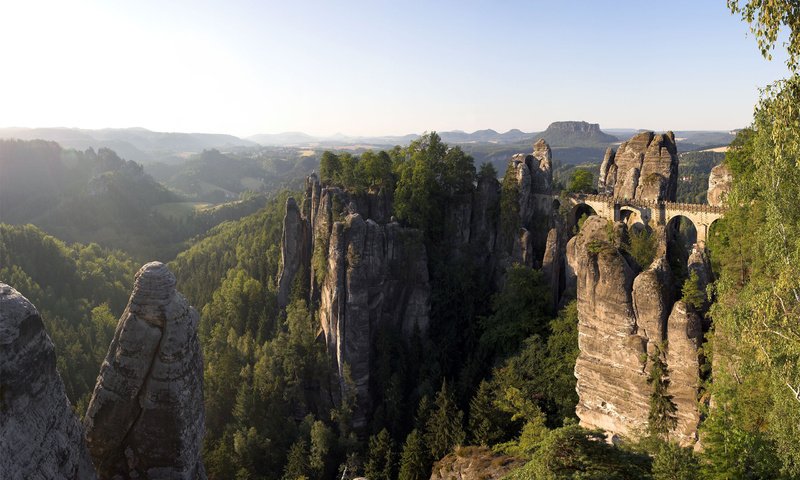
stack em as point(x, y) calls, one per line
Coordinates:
point(634, 216)
point(578, 211)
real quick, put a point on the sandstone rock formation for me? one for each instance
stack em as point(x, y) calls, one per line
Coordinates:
point(367, 273)
point(534, 178)
point(685, 335)
point(474, 463)
point(719, 185)
point(612, 383)
point(643, 168)
point(40, 436)
point(294, 250)
point(146, 417)
point(623, 316)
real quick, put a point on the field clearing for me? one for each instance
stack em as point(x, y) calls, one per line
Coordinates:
point(179, 210)
point(716, 149)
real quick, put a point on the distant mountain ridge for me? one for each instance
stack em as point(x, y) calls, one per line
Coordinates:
point(137, 144)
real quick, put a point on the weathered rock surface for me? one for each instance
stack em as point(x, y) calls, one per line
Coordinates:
point(40, 436)
point(653, 295)
point(719, 185)
point(377, 277)
point(367, 274)
point(541, 166)
point(685, 335)
point(623, 316)
point(474, 463)
point(643, 168)
point(294, 250)
point(612, 384)
point(146, 416)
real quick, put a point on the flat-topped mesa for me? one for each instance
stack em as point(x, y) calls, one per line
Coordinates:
point(40, 436)
point(643, 168)
point(146, 416)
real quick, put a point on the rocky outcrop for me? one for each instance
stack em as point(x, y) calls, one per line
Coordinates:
point(608, 173)
point(541, 166)
point(146, 417)
point(40, 436)
point(370, 273)
point(653, 295)
point(719, 185)
point(610, 369)
point(624, 316)
point(685, 336)
point(474, 463)
point(643, 168)
point(294, 250)
point(377, 277)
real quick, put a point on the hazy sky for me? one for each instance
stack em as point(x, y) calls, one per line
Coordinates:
point(377, 67)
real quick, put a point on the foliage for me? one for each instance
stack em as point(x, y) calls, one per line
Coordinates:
point(582, 181)
point(380, 461)
point(673, 462)
point(642, 245)
point(756, 248)
point(766, 19)
point(444, 428)
point(691, 292)
point(509, 204)
point(415, 460)
point(79, 290)
point(662, 416)
point(486, 421)
point(572, 452)
point(520, 310)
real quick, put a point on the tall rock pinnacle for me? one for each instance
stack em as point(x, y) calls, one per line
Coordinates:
point(145, 418)
point(40, 437)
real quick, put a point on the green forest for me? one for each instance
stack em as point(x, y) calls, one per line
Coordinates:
point(494, 378)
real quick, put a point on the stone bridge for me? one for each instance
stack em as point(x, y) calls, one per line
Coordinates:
point(647, 212)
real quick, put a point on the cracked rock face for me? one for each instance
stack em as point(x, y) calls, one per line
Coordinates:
point(146, 417)
point(612, 383)
point(719, 185)
point(643, 168)
point(40, 436)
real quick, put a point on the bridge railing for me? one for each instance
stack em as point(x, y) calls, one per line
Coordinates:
point(652, 204)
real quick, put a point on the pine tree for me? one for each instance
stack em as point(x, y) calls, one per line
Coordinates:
point(444, 429)
point(380, 458)
point(691, 293)
point(661, 418)
point(415, 463)
point(483, 415)
point(297, 462)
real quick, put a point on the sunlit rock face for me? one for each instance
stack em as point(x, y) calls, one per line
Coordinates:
point(643, 168)
point(624, 316)
point(719, 185)
point(40, 436)
point(146, 416)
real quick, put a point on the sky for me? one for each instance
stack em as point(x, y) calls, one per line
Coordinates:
point(377, 67)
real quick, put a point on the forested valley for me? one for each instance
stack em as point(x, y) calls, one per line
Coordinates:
point(489, 386)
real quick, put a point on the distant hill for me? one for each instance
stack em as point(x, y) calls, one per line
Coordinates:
point(137, 144)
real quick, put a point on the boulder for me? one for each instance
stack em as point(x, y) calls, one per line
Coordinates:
point(146, 416)
point(40, 436)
